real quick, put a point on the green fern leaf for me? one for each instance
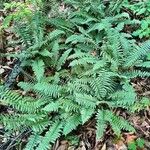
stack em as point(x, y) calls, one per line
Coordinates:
point(136, 55)
point(47, 89)
point(26, 86)
point(86, 100)
point(78, 54)
point(40, 125)
point(124, 98)
point(50, 136)
point(86, 113)
point(101, 124)
point(23, 104)
point(33, 141)
point(118, 123)
point(70, 105)
point(55, 34)
point(78, 38)
point(136, 73)
point(145, 64)
point(102, 84)
point(63, 59)
point(97, 26)
point(13, 122)
point(71, 123)
point(45, 53)
point(83, 61)
point(38, 68)
point(140, 105)
point(54, 106)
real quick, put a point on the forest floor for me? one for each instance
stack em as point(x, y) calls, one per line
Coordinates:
point(86, 134)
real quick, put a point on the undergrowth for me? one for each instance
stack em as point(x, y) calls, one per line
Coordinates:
point(78, 64)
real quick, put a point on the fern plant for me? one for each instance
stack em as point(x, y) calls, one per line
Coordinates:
point(82, 67)
point(141, 10)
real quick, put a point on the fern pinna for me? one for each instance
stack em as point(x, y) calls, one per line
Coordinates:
point(82, 68)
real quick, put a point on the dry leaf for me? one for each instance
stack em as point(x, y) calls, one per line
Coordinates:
point(82, 146)
point(130, 138)
point(63, 145)
point(94, 53)
point(9, 49)
point(71, 148)
point(120, 145)
point(2, 70)
point(6, 67)
point(104, 147)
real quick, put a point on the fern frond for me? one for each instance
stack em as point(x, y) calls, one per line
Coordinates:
point(54, 34)
point(86, 114)
point(33, 141)
point(145, 64)
point(83, 61)
point(136, 55)
point(118, 123)
point(124, 97)
point(38, 68)
point(80, 85)
point(47, 89)
point(136, 73)
point(53, 106)
point(23, 104)
point(71, 123)
point(140, 105)
point(86, 100)
point(13, 122)
point(63, 59)
point(40, 125)
point(101, 124)
point(99, 64)
point(96, 26)
point(26, 86)
point(77, 54)
point(78, 39)
point(102, 84)
point(50, 136)
point(20, 121)
point(69, 105)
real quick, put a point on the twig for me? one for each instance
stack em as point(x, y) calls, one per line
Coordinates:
point(21, 135)
point(145, 93)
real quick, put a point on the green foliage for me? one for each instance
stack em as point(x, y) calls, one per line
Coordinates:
point(144, 30)
point(140, 105)
point(50, 136)
point(38, 68)
point(2, 2)
point(33, 141)
point(117, 123)
point(83, 64)
point(141, 10)
point(22, 11)
point(124, 97)
point(139, 143)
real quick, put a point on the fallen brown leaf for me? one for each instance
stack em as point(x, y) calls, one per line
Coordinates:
point(130, 138)
point(104, 147)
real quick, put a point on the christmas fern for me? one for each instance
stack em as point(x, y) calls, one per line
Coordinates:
point(82, 66)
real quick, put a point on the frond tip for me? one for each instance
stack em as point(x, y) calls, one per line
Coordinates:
point(117, 123)
point(50, 136)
